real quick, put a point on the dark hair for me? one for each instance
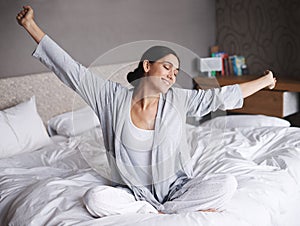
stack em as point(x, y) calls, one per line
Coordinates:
point(153, 54)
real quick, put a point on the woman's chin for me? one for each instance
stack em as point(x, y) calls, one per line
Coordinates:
point(164, 89)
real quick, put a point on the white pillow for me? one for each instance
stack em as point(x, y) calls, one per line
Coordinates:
point(237, 121)
point(73, 123)
point(21, 129)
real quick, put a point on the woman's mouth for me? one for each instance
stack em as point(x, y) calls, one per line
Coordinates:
point(166, 81)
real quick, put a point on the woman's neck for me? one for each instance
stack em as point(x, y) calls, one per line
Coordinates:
point(145, 97)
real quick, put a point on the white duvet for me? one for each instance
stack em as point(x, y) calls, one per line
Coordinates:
point(45, 187)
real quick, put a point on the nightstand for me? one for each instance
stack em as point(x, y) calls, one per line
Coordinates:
point(281, 101)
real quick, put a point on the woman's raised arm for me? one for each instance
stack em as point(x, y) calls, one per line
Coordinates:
point(26, 19)
point(249, 88)
point(88, 85)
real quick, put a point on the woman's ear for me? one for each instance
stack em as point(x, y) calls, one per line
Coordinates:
point(146, 65)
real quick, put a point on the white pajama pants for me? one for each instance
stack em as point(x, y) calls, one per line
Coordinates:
point(197, 194)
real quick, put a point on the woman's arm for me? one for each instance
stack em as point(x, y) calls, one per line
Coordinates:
point(249, 88)
point(26, 19)
point(202, 102)
point(50, 54)
point(88, 85)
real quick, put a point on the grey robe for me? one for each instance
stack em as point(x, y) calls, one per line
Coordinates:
point(111, 102)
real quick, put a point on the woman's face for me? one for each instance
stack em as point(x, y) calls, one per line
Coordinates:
point(162, 73)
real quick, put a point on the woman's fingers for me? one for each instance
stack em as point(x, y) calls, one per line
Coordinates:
point(268, 72)
point(272, 86)
point(23, 12)
point(27, 7)
point(271, 78)
point(25, 15)
point(19, 16)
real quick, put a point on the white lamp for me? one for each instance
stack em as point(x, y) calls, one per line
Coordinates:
point(210, 64)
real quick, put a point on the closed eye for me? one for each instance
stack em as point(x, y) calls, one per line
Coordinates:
point(166, 67)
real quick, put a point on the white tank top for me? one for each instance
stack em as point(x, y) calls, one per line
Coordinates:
point(138, 143)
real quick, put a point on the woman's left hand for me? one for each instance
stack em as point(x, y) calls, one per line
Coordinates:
point(271, 78)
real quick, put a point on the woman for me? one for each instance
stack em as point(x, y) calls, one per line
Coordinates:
point(144, 129)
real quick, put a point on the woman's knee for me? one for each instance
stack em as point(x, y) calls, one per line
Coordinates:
point(106, 200)
point(103, 200)
point(91, 200)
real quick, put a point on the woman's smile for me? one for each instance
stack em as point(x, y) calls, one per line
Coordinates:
point(166, 81)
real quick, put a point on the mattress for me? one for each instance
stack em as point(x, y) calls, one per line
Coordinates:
point(45, 187)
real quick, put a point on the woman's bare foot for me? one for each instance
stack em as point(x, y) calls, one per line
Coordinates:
point(209, 210)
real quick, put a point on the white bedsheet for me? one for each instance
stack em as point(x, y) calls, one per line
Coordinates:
point(45, 187)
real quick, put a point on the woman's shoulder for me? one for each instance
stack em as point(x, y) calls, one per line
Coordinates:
point(177, 93)
point(180, 91)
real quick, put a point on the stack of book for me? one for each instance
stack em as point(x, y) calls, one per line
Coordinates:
point(231, 65)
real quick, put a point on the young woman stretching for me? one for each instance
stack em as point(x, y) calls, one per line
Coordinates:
point(144, 129)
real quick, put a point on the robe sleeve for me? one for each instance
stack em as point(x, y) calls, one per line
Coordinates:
point(89, 86)
point(201, 102)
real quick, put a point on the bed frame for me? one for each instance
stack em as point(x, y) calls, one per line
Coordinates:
point(52, 96)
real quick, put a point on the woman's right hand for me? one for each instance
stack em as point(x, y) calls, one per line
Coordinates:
point(25, 16)
point(26, 19)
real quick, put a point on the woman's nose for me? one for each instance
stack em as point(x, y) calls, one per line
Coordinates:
point(171, 74)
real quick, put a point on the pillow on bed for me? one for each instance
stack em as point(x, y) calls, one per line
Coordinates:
point(73, 123)
point(21, 129)
point(237, 121)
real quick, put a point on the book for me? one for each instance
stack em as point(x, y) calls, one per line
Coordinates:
point(213, 51)
point(223, 55)
point(231, 65)
point(237, 62)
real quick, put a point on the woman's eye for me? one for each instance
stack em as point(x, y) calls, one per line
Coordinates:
point(167, 67)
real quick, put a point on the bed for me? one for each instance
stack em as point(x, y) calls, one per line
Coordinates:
point(45, 170)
